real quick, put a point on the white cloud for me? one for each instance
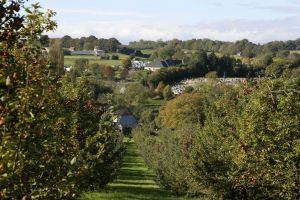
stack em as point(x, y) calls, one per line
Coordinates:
point(100, 13)
point(226, 30)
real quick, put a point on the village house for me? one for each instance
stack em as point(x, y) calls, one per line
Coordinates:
point(159, 64)
point(99, 51)
point(139, 65)
point(96, 52)
point(126, 121)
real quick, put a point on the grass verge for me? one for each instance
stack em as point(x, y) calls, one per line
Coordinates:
point(135, 182)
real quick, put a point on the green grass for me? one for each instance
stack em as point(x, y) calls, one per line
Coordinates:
point(147, 51)
point(154, 102)
point(70, 60)
point(295, 51)
point(135, 182)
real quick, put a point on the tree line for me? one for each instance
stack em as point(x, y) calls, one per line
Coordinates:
point(84, 43)
point(243, 47)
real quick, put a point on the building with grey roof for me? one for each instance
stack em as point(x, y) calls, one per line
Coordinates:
point(159, 64)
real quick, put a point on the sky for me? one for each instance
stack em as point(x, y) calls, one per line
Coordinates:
point(260, 21)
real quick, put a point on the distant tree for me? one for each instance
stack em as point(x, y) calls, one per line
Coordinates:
point(211, 75)
point(56, 56)
point(295, 57)
point(248, 51)
point(113, 44)
point(78, 69)
point(283, 53)
point(199, 62)
point(90, 43)
point(45, 40)
point(97, 69)
point(177, 112)
point(123, 73)
point(131, 95)
point(115, 57)
point(275, 70)
point(66, 41)
point(267, 60)
point(188, 89)
point(160, 88)
point(167, 92)
point(126, 63)
point(179, 54)
point(108, 72)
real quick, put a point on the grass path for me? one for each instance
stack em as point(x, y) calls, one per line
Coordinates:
point(135, 182)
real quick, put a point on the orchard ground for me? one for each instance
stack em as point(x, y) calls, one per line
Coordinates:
point(135, 182)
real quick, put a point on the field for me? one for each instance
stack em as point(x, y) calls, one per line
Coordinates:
point(69, 60)
point(147, 51)
point(295, 51)
point(135, 182)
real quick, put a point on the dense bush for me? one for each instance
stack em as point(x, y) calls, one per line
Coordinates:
point(97, 138)
point(168, 154)
point(247, 148)
point(186, 108)
point(115, 57)
point(54, 140)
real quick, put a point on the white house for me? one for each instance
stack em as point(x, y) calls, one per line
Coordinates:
point(97, 52)
point(135, 64)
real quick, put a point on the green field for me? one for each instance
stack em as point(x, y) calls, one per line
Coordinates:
point(147, 51)
point(69, 60)
point(295, 51)
point(135, 182)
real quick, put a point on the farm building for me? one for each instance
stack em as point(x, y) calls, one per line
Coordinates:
point(139, 64)
point(158, 64)
point(96, 52)
point(126, 121)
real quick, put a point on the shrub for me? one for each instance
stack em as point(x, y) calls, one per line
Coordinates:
point(184, 109)
point(167, 92)
point(246, 148)
point(115, 57)
point(54, 140)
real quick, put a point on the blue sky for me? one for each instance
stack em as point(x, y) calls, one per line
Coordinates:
point(227, 20)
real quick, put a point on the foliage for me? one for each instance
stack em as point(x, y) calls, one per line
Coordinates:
point(167, 92)
point(198, 65)
point(88, 43)
point(108, 72)
point(126, 63)
point(56, 57)
point(178, 111)
point(130, 95)
point(212, 75)
point(132, 52)
point(188, 89)
point(243, 149)
point(45, 40)
point(168, 155)
point(97, 70)
point(275, 70)
point(115, 57)
point(54, 140)
point(160, 88)
point(243, 47)
point(98, 139)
